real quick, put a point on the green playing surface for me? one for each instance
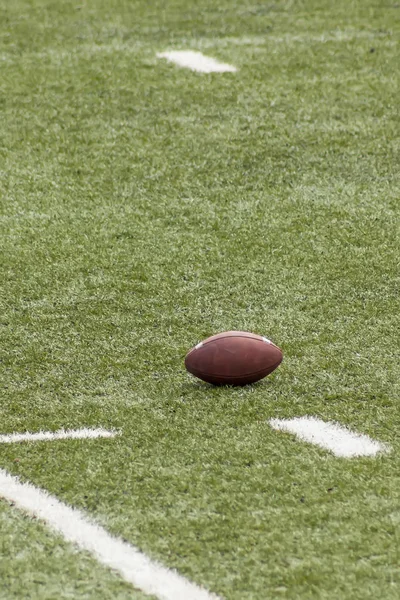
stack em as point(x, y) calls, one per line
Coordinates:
point(145, 207)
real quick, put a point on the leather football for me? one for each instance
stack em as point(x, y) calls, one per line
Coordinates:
point(233, 358)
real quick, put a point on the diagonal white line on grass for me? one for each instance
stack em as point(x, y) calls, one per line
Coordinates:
point(62, 434)
point(196, 61)
point(135, 567)
point(331, 436)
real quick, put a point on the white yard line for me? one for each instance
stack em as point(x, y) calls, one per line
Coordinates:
point(330, 436)
point(135, 567)
point(196, 61)
point(62, 434)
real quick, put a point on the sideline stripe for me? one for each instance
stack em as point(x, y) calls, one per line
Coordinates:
point(196, 61)
point(62, 434)
point(135, 567)
point(330, 436)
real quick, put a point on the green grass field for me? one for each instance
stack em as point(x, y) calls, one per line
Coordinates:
point(145, 207)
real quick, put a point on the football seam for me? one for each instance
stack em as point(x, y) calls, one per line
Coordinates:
point(234, 336)
point(247, 337)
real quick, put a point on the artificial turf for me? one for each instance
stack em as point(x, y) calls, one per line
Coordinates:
point(37, 564)
point(145, 207)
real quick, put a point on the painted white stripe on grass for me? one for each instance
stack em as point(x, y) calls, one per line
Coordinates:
point(62, 434)
point(196, 61)
point(135, 567)
point(331, 436)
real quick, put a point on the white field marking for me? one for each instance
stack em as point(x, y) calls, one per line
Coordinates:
point(135, 567)
point(196, 61)
point(62, 434)
point(331, 436)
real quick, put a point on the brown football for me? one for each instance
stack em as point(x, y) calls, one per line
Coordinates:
point(233, 358)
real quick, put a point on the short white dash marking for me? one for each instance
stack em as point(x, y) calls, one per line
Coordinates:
point(62, 434)
point(135, 567)
point(196, 61)
point(330, 436)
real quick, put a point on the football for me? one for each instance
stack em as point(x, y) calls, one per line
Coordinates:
point(233, 358)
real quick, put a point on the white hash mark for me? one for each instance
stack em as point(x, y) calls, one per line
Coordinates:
point(196, 61)
point(331, 436)
point(62, 434)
